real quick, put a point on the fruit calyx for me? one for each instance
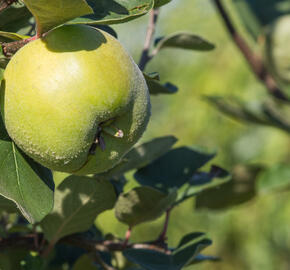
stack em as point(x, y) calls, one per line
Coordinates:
point(108, 128)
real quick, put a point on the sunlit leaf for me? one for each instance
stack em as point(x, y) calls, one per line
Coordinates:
point(78, 201)
point(142, 204)
point(49, 14)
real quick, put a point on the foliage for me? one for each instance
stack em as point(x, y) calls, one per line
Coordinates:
point(66, 216)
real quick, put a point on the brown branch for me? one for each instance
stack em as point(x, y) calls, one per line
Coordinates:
point(10, 48)
point(28, 242)
point(255, 62)
point(6, 3)
point(145, 56)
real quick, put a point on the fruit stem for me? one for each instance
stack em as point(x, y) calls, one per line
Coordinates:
point(162, 237)
point(127, 237)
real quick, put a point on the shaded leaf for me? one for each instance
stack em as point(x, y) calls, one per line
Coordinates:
point(184, 40)
point(49, 14)
point(78, 201)
point(255, 18)
point(85, 263)
point(237, 191)
point(16, 18)
point(263, 113)
point(7, 205)
point(23, 181)
point(202, 181)
point(274, 178)
point(33, 262)
point(12, 36)
point(142, 204)
point(155, 87)
point(159, 3)
point(142, 155)
point(115, 11)
point(174, 169)
point(176, 259)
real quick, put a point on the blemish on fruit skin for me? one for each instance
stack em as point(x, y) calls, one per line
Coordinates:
point(63, 145)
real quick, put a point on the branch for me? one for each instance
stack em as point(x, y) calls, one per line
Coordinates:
point(10, 48)
point(28, 242)
point(6, 3)
point(256, 63)
point(145, 56)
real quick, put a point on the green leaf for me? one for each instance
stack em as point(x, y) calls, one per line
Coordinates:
point(33, 262)
point(255, 18)
point(184, 40)
point(49, 14)
point(84, 263)
point(159, 3)
point(7, 205)
point(12, 36)
point(23, 181)
point(142, 204)
point(188, 249)
point(235, 192)
point(274, 179)
point(174, 169)
point(155, 87)
point(142, 155)
point(202, 181)
point(78, 201)
point(16, 18)
point(115, 11)
point(264, 113)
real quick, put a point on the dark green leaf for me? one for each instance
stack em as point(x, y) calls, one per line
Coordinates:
point(174, 169)
point(7, 205)
point(274, 179)
point(184, 40)
point(49, 14)
point(115, 11)
point(258, 13)
point(202, 181)
point(78, 201)
point(178, 258)
point(257, 112)
point(142, 155)
point(142, 204)
point(155, 87)
point(159, 3)
point(23, 181)
point(85, 263)
point(237, 191)
point(33, 262)
point(10, 259)
point(16, 18)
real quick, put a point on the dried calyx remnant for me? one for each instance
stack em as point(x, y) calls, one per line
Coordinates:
point(109, 128)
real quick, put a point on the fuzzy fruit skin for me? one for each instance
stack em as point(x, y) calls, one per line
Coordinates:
point(58, 89)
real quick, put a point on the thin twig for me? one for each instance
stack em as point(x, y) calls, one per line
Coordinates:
point(127, 236)
point(162, 237)
point(145, 56)
point(256, 63)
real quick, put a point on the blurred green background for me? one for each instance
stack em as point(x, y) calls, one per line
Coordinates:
point(254, 235)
